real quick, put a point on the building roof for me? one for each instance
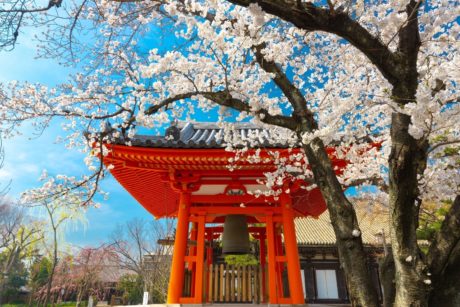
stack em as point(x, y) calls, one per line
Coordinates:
point(204, 150)
point(113, 273)
point(373, 220)
point(215, 135)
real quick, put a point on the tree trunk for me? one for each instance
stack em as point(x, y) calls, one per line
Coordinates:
point(343, 218)
point(48, 285)
point(53, 266)
point(406, 161)
point(443, 259)
point(446, 291)
point(387, 278)
point(79, 297)
point(1, 288)
point(31, 295)
point(6, 269)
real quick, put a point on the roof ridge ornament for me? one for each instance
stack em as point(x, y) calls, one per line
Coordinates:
point(173, 132)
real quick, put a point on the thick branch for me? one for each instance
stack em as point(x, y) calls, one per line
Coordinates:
point(166, 102)
point(292, 93)
point(375, 180)
point(408, 47)
point(225, 99)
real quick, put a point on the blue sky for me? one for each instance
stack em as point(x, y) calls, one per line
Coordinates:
point(27, 155)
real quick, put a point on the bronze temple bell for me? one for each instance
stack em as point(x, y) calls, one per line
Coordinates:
point(235, 238)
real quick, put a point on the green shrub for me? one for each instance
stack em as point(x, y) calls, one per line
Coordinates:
point(246, 259)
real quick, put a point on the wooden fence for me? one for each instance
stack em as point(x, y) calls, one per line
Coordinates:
point(234, 283)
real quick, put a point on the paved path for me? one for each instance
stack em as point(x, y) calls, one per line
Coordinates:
point(237, 305)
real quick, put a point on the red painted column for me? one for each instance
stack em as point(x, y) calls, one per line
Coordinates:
point(199, 264)
point(279, 264)
point(176, 278)
point(263, 264)
point(192, 252)
point(209, 235)
point(292, 253)
point(272, 293)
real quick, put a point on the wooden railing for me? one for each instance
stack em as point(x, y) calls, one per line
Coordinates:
point(234, 283)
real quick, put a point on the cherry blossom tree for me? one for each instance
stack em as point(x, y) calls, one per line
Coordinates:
point(328, 73)
point(82, 273)
point(88, 267)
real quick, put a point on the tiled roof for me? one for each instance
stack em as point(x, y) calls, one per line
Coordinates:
point(372, 220)
point(113, 273)
point(214, 135)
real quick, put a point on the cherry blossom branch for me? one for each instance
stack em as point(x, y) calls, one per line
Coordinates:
point(292, 93)
point(408, 19)
point(12, 17)
point(374, 180)
point(224, 98)
point(437, 145)
point(312, 18)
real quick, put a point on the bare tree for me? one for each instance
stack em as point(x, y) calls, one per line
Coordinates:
point(18, 239)
point(59, 213)
point(136, 245)
point(16, 14)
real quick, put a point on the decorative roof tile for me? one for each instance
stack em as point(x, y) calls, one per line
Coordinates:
point(214, 135)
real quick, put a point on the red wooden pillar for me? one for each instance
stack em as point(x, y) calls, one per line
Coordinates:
point(280, 264)
point(192, 252)
point(292, 253)
point(176, 279)
point(262, 237)
point(199, 263)
point(272, 292)
point(209, 252)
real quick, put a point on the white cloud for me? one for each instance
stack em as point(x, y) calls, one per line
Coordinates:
point(5, 174)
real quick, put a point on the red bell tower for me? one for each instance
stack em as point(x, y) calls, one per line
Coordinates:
point(189, 178)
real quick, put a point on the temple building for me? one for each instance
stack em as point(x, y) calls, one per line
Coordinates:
point(211, 179)
point(322, 277)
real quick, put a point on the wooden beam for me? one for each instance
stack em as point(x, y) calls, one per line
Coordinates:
point(220, 229)
point(231, 199)
point(225, 210)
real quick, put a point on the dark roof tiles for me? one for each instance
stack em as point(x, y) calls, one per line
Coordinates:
point(213, 135)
